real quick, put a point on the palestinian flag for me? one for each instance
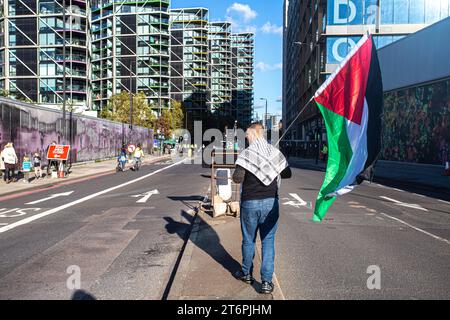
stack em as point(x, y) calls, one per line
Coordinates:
point(351, 102)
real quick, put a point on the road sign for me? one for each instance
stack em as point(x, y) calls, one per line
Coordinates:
point(58, 152)
point(131, 148)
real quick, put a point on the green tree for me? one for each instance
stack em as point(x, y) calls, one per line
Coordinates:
point(170, 119)
point(118, 109)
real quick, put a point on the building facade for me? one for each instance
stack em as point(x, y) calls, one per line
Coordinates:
point(221, 67)
point(318, 35)
point(189, 61)
point(416, 126)
point(43, 59)
point(243, 45)
point(95, 49)
point(130, 50)
point(211, 67)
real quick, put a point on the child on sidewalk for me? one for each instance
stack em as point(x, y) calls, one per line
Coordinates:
point(37, 166)
point(26, 168)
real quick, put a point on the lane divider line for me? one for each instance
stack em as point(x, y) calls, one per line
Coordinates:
point(73, 203)
point(417, 229)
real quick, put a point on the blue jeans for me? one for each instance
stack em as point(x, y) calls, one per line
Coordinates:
point(259, 215)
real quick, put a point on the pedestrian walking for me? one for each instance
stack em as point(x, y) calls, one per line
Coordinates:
point(10, 159)
point(324, 153)
point(259, 168)
point(2, 165)
point(37, 165)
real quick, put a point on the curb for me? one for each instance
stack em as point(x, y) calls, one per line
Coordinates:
point(381, 179)
point(74, 180)
point(177, 287)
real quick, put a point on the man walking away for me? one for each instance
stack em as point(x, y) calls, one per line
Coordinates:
point(10, 159)
point(259, 168)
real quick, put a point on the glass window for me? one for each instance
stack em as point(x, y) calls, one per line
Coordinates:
point(47, 39)
point(339, 47)
point(417, 11)
point(401, 8)
point(47, 69)
point(444, 9)
point(387, 11)
point(432, 11)
point(370, 12)
point(383, 41)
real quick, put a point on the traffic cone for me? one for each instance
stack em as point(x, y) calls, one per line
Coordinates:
point(447, 169)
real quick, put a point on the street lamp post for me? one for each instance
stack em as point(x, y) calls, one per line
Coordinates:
point(64, 71)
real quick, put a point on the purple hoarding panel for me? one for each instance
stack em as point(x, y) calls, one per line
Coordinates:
point(33, 128)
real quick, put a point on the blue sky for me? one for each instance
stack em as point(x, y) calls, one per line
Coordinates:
point(265, 19)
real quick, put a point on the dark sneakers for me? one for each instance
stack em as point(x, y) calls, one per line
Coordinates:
point(267, 287)
point(247, 278)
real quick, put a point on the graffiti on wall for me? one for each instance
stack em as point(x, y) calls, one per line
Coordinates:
point(417, 124)
point(32, 129)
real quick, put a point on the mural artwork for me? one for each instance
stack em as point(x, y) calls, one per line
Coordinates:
point(32, 129)
point(417, 124)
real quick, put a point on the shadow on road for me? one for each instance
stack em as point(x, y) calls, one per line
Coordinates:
point(208, 241)
point(190, 202)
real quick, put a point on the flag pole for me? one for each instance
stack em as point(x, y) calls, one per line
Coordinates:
point(298, 115)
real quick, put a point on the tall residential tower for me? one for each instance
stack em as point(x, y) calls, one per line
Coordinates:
point(43, 59)
point(221, 67)
point(190, 65)
point(130, 50)
point(242, 77)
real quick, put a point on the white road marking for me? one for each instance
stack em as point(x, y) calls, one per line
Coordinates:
point(380, 185)
point(145, 196)
point(299, 202)
point(417, 229)
point(65, 194)
point(73, 203)
point(403, 204)
point(20, 212)
point(419, 195)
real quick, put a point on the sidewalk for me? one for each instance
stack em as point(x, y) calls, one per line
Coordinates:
point(211, 257)
point(77, 172)
point(419, 175)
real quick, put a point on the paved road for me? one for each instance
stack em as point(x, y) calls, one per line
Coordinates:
point(406, 235)
point(116, 230)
